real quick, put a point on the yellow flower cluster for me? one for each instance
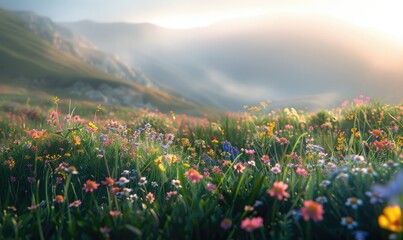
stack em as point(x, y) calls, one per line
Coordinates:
point(340, 142)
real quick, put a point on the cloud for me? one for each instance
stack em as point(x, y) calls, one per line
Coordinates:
point(230, 64)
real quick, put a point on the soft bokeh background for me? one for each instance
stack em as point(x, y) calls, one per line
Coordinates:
point(229, 53)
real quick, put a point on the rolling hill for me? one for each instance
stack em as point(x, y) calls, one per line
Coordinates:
point(28, 60)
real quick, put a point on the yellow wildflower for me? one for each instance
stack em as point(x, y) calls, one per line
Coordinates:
point(391, 219)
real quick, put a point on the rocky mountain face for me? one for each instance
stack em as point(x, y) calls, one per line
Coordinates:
point(65, 40)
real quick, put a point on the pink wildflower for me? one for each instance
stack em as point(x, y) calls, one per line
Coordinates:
point(150, 197)
point(249, 151)
point(37, 135)
point(265, 159)
point(210, 187)
point(239, 167)
point(312, 209)
point(250, 224)
point(276, 169)
point(193, 175)
point(75, 204)
point(282, 141)
point(90, 186)
point(114, 213)
point(279, 190)
point(301, 171)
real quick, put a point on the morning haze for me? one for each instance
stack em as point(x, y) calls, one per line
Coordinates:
point(305, 58)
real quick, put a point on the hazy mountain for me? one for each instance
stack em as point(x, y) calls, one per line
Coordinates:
point(64, 40)
point(293, 60)
point(29, 58)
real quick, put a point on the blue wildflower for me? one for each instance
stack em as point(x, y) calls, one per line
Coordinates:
point(103, 138)
point(391, 189)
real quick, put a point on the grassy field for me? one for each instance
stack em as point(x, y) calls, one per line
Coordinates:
point(93, 172)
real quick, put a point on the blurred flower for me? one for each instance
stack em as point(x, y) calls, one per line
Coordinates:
point(376, 133)
point(142, 181)
point(321, 199)
point(92, 126)
point(391, 219)
point(349, 222)
point(105, 230)
point(295, 214)
point(114, 213)
point(393, 188)
point(325, 183)
point(103, 138)
point(249, 151)
point(374, 197)
point(265, 159)
point(132, 197)
point(76, 203)
point(58, 199)
point(279, 190)
point(282, 141)
point(122, 181)
point(250, 224)
point(90, 186)
point(32, 207)
point(210, 187)
point(301, 171)
point(312, 210)
point(193, 175)
point(276, 169)
point(342, 176)
point(248, 208)
point(108, 181)
point(176, 183)
point(258, 203)
point(226, 223)
point(239, 167)
point(359, 234)
point(252, 163)
point(150, 197)
point(354, 202)
point(171, 194)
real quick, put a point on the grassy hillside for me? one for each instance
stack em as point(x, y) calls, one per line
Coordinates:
point(26, 60)
point(22, 54)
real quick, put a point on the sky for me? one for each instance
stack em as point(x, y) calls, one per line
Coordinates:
point(383, 16)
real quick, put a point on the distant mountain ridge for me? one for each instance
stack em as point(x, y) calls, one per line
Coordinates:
point(66, 41)
point(29, 59)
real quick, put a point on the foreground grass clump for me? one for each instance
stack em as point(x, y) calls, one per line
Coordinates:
point(278, 175)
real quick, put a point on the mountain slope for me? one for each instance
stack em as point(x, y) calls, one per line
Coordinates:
point(63, 39)
point(27, 60)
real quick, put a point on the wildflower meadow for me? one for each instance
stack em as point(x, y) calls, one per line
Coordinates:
point(97, 172)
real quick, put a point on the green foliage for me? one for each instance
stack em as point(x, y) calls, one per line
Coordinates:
point(44, 174)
